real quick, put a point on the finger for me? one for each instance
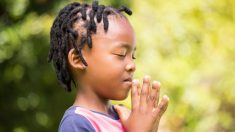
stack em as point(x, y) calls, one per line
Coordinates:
point(162, 106)
point(138, 88)
point(134, 95)
point(144, 92)
point(123, 112)
point(154, 95)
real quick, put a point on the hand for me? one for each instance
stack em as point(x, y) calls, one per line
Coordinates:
point(146, 112)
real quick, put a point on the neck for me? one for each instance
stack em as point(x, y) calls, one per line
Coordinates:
point(86, 98)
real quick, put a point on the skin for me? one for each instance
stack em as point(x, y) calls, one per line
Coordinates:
point(109, 74)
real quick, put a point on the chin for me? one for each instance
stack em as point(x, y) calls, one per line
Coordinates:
point(120, 96)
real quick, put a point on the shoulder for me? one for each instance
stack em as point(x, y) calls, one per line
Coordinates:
point(72, 122)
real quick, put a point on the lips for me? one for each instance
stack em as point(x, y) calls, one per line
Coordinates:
point(127, 82)
point(128, 79)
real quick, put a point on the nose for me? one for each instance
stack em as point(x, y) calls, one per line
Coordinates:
point(130, 67)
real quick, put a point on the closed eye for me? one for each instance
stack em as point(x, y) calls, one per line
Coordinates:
point(121, 55)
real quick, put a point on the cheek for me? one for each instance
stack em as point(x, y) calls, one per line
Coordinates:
point(105, 68)
point(105, 75)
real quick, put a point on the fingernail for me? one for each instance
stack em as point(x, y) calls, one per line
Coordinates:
point(157, 83)
point(166, 97)
point(146, 78)
point(135, 82)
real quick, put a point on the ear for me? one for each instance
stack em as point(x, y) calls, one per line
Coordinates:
point(74, 60)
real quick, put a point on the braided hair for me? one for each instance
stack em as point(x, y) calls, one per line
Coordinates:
point(64, 37)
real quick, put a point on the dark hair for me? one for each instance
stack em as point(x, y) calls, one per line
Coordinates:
point(63, 37)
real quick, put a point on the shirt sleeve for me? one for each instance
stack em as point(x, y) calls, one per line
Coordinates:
point(75, 123)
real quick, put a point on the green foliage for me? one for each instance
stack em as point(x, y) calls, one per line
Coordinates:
point(187, 45)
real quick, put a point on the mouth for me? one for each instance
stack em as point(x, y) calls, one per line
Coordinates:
point(128, 79)
point(128, 82)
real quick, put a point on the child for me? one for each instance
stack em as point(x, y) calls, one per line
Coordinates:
point(92, 46)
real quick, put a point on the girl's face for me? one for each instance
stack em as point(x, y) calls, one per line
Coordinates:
point(111, 60)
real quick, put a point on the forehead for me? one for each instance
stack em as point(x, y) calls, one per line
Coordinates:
point(120, 33)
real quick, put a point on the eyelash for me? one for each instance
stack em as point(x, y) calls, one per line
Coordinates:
point(125, 56)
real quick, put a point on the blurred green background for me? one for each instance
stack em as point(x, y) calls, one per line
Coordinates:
point(188, 45)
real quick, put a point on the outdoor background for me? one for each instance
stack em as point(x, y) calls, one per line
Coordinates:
point(188, 45)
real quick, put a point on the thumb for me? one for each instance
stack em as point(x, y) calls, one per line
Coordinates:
point(123, 113)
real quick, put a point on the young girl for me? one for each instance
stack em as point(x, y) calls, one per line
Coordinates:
point(92, 47)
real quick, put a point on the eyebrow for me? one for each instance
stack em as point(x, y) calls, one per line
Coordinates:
point(125, 45)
